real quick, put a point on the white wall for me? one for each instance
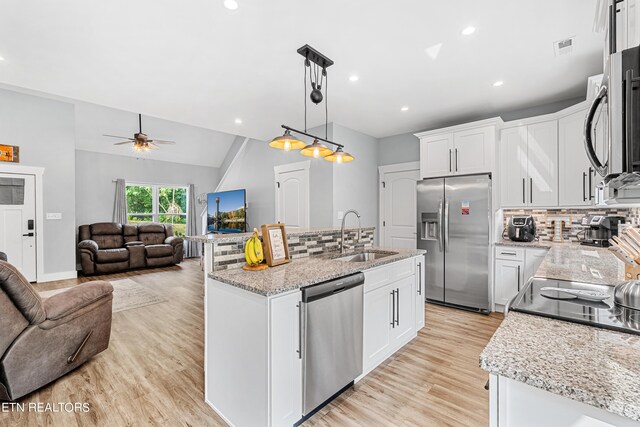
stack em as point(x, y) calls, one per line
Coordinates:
point(44, 130)
point(95, 189)
point(355, 184)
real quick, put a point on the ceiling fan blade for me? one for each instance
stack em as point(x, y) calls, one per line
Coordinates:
point(153, 146)
point(157, 141)
point(123, 142)
point(119, 137)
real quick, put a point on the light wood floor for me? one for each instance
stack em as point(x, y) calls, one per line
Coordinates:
point(152, 373)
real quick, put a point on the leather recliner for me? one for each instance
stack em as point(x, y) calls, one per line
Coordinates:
point(43, 339)
point(109, 247)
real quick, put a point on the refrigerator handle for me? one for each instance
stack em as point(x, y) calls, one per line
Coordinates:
point(440, 237)
point(446, 225)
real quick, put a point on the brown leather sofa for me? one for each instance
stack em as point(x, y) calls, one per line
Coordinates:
point(43, 339)
point(108, 247)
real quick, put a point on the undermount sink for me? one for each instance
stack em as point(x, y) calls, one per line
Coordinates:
point(365, 256)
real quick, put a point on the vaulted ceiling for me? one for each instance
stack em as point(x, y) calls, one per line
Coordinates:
point(198, 63)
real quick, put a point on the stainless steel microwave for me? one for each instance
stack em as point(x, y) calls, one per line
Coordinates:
point(612, 129)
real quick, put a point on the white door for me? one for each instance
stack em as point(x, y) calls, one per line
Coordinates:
point(436, 155)
point(292, 195)
point(398, 195)
point(17, 222)
point(542, 156)
point(573, 179)
point(513, 167)
point(473, 150)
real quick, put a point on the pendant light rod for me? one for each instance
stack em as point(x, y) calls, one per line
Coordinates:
point(312, 136)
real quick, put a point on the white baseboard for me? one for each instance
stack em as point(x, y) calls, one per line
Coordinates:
point(220, 414)
point(62, 275)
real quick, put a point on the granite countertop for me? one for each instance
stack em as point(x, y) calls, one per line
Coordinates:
point(304, 272)
point(240, 237)
point(534, 244)
point(584, 363)
point(588, 364)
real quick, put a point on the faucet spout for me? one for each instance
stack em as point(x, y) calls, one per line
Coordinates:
point(344, 217)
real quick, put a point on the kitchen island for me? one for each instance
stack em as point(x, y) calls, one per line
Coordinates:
point(254, 331)
point(552, 372)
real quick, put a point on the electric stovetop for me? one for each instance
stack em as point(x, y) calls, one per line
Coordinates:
point(603, 314)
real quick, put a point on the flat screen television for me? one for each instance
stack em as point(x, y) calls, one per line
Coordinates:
point(227, 212)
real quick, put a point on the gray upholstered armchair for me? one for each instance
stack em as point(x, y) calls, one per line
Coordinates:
point(43, 339)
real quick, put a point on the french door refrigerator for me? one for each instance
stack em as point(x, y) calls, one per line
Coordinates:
point(453, 227)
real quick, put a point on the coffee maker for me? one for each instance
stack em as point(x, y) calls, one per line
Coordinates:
point(598, 229)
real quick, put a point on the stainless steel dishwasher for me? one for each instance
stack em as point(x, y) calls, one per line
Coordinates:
point(332, 345)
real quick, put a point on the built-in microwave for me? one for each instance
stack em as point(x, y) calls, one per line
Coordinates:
point(612, 129)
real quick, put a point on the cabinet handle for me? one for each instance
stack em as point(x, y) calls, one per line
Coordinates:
point(531, 189)
point(456, 160)
point(299, 330)
point(523, 184)
point(419, 278)
point(449, 159)
point(398, 306)
point(393, 309)
point(591, 170)
point(518, 278)
point(584, 186)
point(508, 253)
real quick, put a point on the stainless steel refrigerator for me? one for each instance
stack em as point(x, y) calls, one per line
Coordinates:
point(453, 226)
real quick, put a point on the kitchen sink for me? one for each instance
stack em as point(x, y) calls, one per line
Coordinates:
point(365, 256)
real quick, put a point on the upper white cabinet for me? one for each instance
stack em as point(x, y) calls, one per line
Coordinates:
point(458, 150)
point(529, 165)
point(436, 155)
point(577, 179)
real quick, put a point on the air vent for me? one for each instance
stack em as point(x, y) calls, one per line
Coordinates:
point(564, 47)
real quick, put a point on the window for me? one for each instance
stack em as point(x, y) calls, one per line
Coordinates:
point(158, 203)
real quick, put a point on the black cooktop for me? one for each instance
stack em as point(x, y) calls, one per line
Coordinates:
point(603, 314)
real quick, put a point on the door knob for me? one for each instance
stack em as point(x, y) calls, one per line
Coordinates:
point(28, 235)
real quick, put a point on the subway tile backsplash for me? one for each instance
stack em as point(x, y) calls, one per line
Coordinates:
point(545, 219)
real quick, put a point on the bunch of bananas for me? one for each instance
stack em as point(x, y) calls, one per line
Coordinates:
point(253, 249)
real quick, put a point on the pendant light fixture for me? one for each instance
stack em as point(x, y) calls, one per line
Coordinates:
point(318, 77)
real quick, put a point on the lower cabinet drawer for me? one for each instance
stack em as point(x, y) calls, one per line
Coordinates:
point(509, 253)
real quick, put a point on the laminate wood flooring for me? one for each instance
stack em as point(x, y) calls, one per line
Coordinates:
point(152, 374)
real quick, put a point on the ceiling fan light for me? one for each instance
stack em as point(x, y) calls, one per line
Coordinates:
point(339, 156)
point(287, 142)
point(316, 150)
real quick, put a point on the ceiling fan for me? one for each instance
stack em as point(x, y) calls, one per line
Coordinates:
point(140, 140)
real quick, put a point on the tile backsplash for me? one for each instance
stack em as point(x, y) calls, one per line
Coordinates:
point(545, 219)
point(228, 255)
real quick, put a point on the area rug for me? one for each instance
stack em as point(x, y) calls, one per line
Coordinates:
point(127, 295)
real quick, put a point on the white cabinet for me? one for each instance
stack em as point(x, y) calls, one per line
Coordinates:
point(390, 300)
point(420, 296)
point(513, 269)
point(436, 155)
point(377, 326)
point(508, 280)
point(529, 165)
point(473, 150)
point(577, 179)
point(285, 360)
point(459, 150)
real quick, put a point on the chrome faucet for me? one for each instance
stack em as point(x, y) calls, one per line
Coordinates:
point(344, 217)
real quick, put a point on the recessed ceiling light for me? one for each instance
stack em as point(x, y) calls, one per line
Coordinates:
point(468, 31)
point(354, 78)
point(405, 108)
point(498, 83)
point(238, 121)
point(1, 58)
point(231, 4)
